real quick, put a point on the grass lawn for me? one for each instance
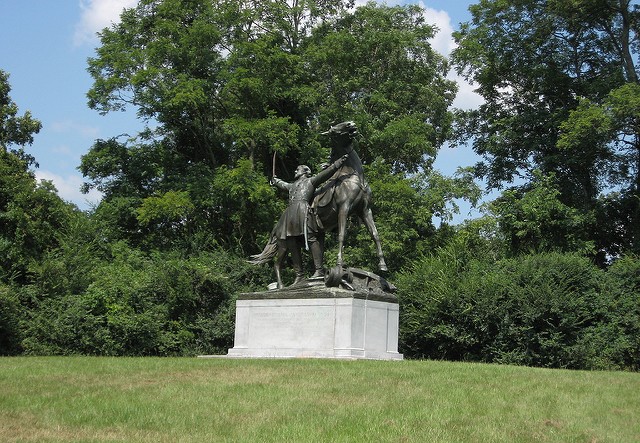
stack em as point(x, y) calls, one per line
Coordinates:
point(99, 399)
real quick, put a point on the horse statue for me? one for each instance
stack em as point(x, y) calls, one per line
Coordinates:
point(346, 192)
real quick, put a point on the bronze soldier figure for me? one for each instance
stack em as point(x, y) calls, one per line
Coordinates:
point(298, 225)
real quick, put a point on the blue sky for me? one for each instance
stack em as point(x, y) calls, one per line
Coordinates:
point(44, 46)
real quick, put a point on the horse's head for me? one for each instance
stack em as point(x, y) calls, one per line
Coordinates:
point(342, 137)
point(345, 131)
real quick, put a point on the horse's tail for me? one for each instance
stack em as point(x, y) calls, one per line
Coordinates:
point(269, 251)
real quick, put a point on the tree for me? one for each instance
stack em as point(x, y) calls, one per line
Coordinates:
point(31, 213)
point(537, 64)
point(611, 127)
point(35, 224)
point(233, 82)
point(376, 67)
point(217, 77)
point(534, 220)
point(15, 130)
point(30, 219)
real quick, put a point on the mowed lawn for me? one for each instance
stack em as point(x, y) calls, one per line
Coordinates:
point(99, 399)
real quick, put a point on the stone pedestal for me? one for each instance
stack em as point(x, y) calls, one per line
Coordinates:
point(317, 321)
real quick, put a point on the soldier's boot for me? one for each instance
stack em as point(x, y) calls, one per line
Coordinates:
point(317, 254)
point(299, 278)
point(297, 267)
point(296, 258)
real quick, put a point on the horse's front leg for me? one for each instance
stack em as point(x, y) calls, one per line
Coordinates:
point(343, 214)
point(371, 226)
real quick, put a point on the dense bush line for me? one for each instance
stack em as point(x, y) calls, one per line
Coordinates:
point(136, 304)
point(551, 310)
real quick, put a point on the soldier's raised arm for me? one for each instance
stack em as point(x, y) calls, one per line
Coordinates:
point(327, 173)
point(280, 184)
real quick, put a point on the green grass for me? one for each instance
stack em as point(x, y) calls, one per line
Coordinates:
point(205, 400)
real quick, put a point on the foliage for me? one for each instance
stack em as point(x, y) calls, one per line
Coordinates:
point(609, 126)
point(239, 88)
point(618, 339)
point(376, 66)
point(560, 87)
point(69, 268)
point(551, 310)
point(117, 169)
point(483, 238)
point(10, 318)
point(535, 220)
point(166, 216)
point(160, 304)
point(244, 206)
point(15, 130)
point(31, 215)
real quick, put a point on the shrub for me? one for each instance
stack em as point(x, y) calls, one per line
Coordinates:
point(622, 291)
point(10, 315)
point(548, 303)
point(433, 306)
point(138, 304)
point(552, 310)
point(70, 324)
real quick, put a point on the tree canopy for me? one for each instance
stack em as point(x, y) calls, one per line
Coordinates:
point(30, 213)
point(15, 131)
point(225, 83)
point(560, 82)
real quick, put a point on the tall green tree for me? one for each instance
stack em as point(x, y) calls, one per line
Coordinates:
point(543, 68)
point(31, 216)
point(216, 79)
point(534, 220)
point(376, 66)
point(229, 84)
point(611, 127)
point(31, 213)
point(15, 131)
point(33, 225)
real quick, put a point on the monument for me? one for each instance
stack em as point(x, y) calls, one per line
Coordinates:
point(343, 312)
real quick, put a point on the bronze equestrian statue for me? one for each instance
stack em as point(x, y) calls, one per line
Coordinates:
point(346, 192)
point(311, 211)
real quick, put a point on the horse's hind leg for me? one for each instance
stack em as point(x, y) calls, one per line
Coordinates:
point(367, 217)
point(343, 214)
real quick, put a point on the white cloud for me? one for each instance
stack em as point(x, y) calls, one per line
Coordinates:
point(443, 41)
point(69, 189)
point(466, 98)
point(97, 15)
